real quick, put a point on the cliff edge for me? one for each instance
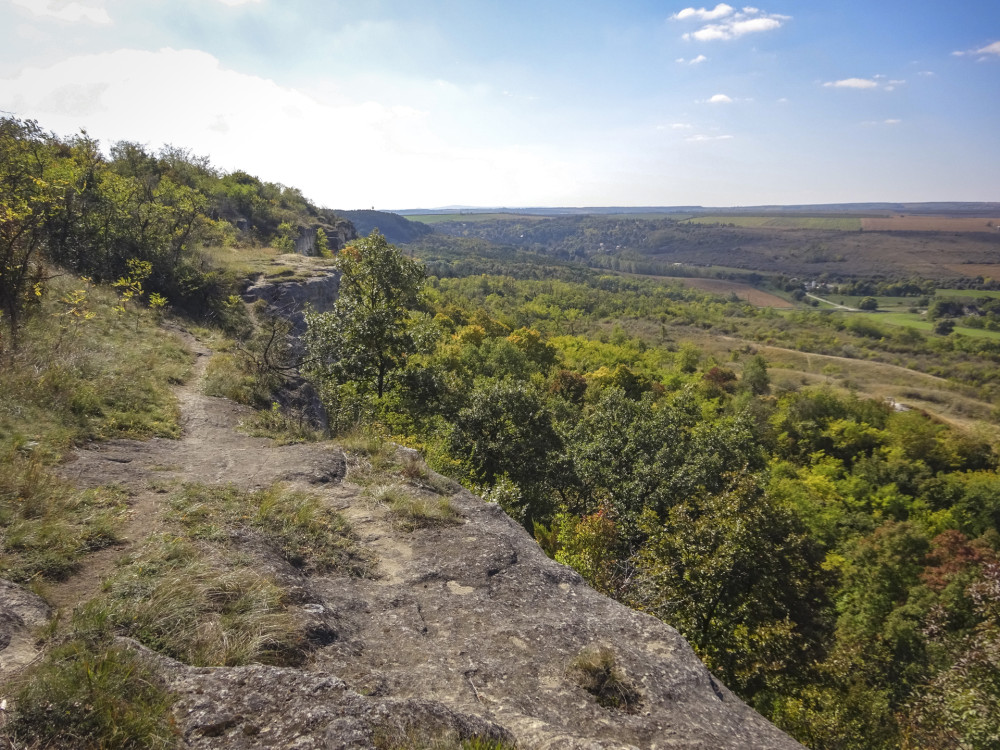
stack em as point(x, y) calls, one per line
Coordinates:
point(461, 628)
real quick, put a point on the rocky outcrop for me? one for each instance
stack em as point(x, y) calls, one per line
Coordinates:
point(288, 299)
point(21, 614)
point(463, 630)
point(338, 233)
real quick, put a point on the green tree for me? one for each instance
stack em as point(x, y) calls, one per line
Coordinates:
point(27, 203)
point(868, 303)
point(755, 377)
point(366, 336)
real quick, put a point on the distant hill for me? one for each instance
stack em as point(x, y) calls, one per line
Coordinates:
point(951, 208)
point(396, 228)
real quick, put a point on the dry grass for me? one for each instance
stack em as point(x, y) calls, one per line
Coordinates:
point(411, 511)
point(596, 670)
point(930, 224)
point(745, 292)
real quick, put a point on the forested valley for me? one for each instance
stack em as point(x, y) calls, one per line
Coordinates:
point(831, 555)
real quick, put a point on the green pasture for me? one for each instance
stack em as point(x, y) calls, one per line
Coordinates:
point(974, 293)
point(884, 303)
point(920, 323)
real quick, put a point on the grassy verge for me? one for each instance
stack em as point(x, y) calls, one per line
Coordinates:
point(47, 526)
point(92, 695)
point(81, 372)
point(74, 379)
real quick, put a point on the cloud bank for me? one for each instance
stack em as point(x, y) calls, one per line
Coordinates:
point(729, 22)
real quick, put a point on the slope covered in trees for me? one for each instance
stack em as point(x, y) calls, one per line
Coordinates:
point(830, 558)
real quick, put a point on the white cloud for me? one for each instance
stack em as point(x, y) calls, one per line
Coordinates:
point(926, 73)
point(892, 121)
point(681, 125)
point(397, 155)
point(730, 24)
point(693, 61)
point(700, 138)
point(238, 2)
point(989, 49)
point(71, 12)
point(853, 83)
point(719, 11)
point(720, 99)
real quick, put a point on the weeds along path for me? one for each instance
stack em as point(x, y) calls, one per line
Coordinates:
point(211, 450)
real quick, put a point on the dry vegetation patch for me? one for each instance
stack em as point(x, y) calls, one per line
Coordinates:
point(930, 224)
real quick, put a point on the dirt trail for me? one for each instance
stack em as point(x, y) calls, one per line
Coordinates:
point(211, 450)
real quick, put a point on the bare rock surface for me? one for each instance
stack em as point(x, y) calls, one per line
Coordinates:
point(21, 613)
point(466, 629)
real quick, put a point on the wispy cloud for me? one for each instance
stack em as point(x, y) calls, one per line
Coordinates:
point(238, 2)
point(63, 11)
point(729, 22)
point(876, 81)
point(852, 83)
point(983, 52)
point(701, 138)
point(693, 61)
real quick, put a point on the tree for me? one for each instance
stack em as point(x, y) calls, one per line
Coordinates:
point(366, 336)
point(27, 202)
point(868, 303)
point(755, 377)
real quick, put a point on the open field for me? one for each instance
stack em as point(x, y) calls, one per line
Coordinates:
point(791, 369)
point(743, 291)
point(839, 223)
point(915, 320)
point(974, 293)
point(930, 224)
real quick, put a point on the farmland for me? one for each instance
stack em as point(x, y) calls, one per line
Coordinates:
point(745, 292)
point(930, 224)
point(832, 223)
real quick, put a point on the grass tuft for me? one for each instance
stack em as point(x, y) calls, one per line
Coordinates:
point(596, 670)
point(46, 525)
point(412, 511)
point(91, 695)
point(307, 533)
point(281, 426)
point(196, 603)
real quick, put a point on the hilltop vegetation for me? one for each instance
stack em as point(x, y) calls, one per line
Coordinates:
point(833, 559)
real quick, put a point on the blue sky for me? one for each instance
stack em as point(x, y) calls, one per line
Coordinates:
point(414, 103)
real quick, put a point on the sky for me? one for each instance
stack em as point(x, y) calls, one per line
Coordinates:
point(397, 104)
